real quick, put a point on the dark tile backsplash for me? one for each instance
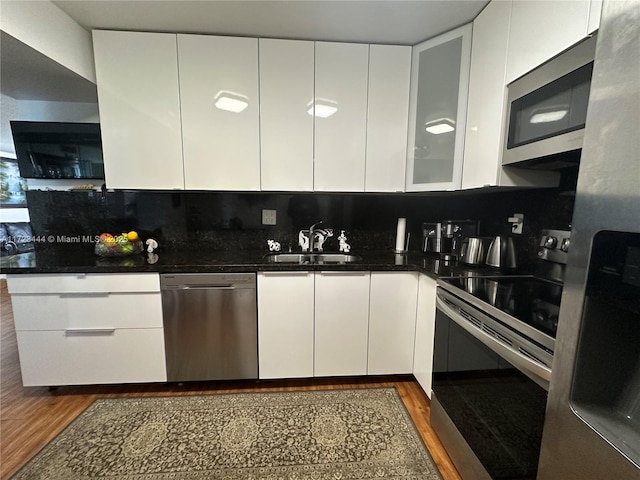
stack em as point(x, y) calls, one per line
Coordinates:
point(220, 221)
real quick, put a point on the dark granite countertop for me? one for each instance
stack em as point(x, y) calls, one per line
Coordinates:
point(82, 261)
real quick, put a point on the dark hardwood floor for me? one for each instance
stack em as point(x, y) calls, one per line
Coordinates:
point(30, 417)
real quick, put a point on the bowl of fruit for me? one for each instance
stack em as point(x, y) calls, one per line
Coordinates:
point(121, 245)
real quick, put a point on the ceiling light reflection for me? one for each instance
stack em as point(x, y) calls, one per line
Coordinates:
point(322, 108)
point(231, 102)
point(442, 125)
point(549, 115)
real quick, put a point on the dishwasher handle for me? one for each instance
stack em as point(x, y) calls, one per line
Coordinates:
point(199, 287)
point(207, 281)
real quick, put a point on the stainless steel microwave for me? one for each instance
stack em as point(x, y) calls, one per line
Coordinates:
point(547, 110)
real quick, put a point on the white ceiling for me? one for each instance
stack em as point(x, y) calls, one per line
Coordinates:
point(28, 75)
point(378, 21)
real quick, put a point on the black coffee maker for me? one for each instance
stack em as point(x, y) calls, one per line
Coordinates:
point(445, 238)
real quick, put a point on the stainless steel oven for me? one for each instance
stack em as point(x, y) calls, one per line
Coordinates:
point(493, 352)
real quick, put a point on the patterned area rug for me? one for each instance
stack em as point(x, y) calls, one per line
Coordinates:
point(329, 434)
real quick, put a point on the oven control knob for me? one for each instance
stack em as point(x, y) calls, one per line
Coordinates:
point(564, 246)
point(550, 242)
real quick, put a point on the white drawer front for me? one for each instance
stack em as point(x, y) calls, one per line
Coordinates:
point(87, 283)
point(87, 310)
point(120, 356)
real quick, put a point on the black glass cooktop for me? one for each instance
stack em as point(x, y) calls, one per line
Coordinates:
point(530, 299)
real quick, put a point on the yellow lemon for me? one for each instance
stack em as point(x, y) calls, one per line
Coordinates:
point(132, 236)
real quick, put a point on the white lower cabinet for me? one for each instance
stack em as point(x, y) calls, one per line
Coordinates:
point(336, 323)
point(285, 324)
point(86, 329)
point(91, 356)
point(392, 322)
point(86, 310)
point(71, 283)
point(341, 323)
point(425, 330)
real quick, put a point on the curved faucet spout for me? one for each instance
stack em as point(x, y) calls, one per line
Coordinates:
point(312, 235)
point(313, 227)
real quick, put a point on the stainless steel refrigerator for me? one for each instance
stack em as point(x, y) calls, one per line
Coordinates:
point(592, 426)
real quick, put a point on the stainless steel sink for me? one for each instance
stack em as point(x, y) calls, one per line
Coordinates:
point(305, 258)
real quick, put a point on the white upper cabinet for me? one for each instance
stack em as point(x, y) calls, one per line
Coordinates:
point(286, 126)
point(540, 30)
point(220, 112)
point(437, 112)
point(487, 102)
point(341, 73)
point(202, 112)
point(595, 10)
point(485, 111)
point(387, 117)
point(138, 97)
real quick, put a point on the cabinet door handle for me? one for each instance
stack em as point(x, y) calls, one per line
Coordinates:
point(200, 287)
point(345, 273)
point(84, 294)
point(74, 332)
point(299, 273)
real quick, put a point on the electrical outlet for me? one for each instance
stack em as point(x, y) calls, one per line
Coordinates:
point(268, 217)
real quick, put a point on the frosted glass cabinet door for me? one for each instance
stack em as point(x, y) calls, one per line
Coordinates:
point(340, 116)
point(286, 128)
point(137, 80)
point(437, 112)
point(220, 112)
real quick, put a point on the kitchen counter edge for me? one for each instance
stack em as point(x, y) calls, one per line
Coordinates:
point(226, 262)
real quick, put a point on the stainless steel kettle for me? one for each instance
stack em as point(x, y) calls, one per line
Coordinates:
point(474, 250)
point(501, 253)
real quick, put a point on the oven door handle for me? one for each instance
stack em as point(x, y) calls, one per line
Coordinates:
point(535, 371)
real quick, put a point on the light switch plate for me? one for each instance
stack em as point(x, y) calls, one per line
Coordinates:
point(268, 217)
point(517, 222)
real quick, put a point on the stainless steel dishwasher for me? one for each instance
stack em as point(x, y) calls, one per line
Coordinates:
point(210, 326)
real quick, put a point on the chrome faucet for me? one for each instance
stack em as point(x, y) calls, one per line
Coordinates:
point(312, 235)
point(307, 241)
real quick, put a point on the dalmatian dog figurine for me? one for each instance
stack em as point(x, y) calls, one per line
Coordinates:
point(273, 245)
point(343, 245)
